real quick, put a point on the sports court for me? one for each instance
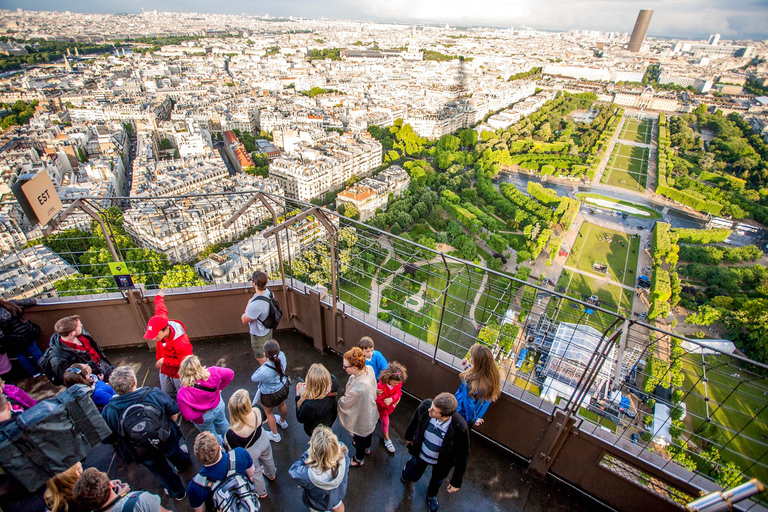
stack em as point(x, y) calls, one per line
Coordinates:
point(637, 130)
point(627, 167)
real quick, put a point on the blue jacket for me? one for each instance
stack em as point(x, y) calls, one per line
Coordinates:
point(377, 362)
point(322, 491)
point(470, 408)
point(102, 393)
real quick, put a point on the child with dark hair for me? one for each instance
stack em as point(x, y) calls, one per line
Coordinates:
point(274, 387)
point(388, 394)
point(80, 373)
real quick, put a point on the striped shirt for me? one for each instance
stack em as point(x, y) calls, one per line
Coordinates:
point(433, 440)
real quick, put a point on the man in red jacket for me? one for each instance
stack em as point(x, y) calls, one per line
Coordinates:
point(172, 345)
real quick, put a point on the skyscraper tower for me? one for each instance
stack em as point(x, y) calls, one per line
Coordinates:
point(638, 33)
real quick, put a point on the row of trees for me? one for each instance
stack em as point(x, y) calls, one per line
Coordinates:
point(88, 252)
point(711, 255)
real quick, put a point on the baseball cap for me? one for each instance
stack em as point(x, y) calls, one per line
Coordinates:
point(154, 326)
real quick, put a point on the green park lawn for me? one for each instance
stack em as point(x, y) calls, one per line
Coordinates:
point(627, 168)
point(736, 410)
point(637, 131)
point(459, 332)
point(588, 249)
point(495, 299)
point(578, 286)
point(356, 294)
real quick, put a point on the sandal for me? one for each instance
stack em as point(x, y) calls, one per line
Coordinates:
point(262, 496)
point(356, 463)
point(367, 451)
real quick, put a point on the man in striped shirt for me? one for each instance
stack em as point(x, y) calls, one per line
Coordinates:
point(437, 436)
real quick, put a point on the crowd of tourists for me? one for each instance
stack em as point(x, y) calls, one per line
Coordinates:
point(234, 443)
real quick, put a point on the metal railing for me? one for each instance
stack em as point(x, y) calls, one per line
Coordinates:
point(692, 405)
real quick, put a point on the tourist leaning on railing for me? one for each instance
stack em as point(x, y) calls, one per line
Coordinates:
point(480, 385)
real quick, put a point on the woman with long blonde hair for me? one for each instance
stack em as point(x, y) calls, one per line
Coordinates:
point(480, 385)
point(322, 471)
point(316, 398)
point(246, 432)
point(58, 490)
point(199, 396)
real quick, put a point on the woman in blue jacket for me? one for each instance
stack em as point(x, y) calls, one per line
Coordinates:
point(480, 385)
point(323, 471)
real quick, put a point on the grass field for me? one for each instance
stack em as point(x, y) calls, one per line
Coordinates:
point(736, 410)
point(459, 332)
point(356, 294)
point(495, 299)
point(627, 167)
point(636, 130)
point(576, 285)
point(591, 247)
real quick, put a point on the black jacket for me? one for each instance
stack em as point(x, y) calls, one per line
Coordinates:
point(60, 357)
point(322, 411)
point(16, 333)
point(455, 448)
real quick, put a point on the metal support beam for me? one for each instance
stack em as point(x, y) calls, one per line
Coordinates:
point(261, 197)
point(616, 384)
point(323, 219)
point(442, 312)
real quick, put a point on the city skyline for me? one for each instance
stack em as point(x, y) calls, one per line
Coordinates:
point(696, 19)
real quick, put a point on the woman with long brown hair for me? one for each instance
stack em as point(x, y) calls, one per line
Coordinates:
point(480, 385)
point(58, 490)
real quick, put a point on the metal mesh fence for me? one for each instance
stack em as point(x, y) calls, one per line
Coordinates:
point(696, 406)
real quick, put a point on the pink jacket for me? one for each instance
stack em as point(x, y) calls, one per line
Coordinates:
point(194, 401)
point(20, 396)
point(394, 393)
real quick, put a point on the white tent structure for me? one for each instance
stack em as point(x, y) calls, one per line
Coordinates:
point(709, 347)
point(571, 350)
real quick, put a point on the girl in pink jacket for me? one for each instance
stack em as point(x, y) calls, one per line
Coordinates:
point(200, 395)
point(388, 394)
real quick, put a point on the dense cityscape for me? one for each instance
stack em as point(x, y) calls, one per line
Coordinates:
point(573, 179)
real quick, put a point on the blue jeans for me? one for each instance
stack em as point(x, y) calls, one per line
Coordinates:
point(23, 356)
point(160, 466)
point(215, 421)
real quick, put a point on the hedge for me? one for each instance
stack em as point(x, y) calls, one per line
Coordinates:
point(546, 196)
point(701, 236)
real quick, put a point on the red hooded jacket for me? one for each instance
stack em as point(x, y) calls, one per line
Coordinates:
point(176, 346)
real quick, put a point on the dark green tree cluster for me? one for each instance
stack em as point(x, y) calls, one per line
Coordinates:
point(40, 51)
point(402, 211)
point(531, 73)
point(88, 252)
point(17, 113)
point(326, 53)
point(261, 165)
point(712, 255)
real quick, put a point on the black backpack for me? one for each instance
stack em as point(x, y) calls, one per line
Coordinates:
point(275, 313)
point(144, 427)
point(232, 494)
point(46, 366)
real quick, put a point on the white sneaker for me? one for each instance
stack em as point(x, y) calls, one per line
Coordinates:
point(275, 438)
point(280, 421)
point(389, 445)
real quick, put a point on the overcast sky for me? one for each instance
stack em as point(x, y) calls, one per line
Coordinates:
point(733, 19)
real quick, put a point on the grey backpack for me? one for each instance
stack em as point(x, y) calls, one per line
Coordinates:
point(232, 494)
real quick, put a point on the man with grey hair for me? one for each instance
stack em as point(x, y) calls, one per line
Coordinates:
point(143, 423)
